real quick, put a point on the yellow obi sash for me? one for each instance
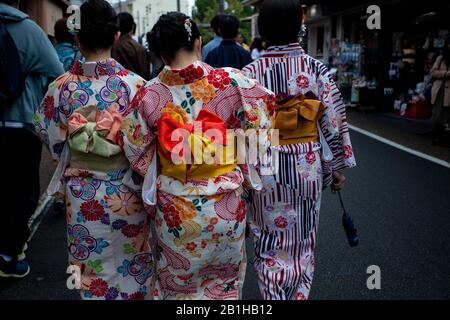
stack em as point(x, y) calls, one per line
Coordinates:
point(296, 120)
point(195, 151)
point(93, 140)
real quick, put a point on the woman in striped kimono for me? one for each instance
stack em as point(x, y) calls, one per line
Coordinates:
point(286, 212)
point(201, 216)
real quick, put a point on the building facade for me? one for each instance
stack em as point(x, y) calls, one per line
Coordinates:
point(147, 12)
point(45, 12)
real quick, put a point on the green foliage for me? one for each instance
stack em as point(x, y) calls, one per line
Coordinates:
point(205, 10)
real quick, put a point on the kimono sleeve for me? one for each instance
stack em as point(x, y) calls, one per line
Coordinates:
point(50, 123)
point(137, 137)
point(334, 125)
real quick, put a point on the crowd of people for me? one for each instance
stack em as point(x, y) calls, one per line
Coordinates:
point(108, 118)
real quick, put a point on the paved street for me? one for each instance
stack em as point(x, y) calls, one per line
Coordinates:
point(400, 203)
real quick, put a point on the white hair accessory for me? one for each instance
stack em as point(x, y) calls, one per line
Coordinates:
point(188, 27)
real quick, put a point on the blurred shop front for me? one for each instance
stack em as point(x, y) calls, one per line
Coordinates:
point(388, 69)
point(45, 12)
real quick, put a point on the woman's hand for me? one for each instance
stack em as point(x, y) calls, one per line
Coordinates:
point(338, 181)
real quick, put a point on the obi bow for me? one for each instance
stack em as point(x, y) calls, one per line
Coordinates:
point(207, 136)
point(95, 131)
point(296, 119)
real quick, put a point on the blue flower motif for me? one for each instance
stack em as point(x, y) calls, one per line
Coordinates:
point(123, 269)
point(101, 244)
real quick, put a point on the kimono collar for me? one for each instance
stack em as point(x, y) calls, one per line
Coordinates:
point(107, 67)
point(190, 74)
point(290, 50)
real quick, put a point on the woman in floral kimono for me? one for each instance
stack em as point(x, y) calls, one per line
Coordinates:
point(201, 216)
point(286, 212)
point(79, 119)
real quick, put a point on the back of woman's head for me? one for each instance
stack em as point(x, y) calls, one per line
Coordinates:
point(99, 25)
point(173, 32)
point(280, 21)
point(62, 34)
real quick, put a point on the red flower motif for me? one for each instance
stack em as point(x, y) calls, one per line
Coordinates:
point(131, 230)
point(310, 158)
point(204, 244)
point(348, 152)
point(123, 72)
point(98, 287)
point(191, 246)
point(138, 98)
point(92, 210)
point(77, 69)
point(281, 222)
point(136, 296)
point(269, 262)
point(219, 78)
point(271, 103)
point(251, 116)
point(300, 296)
point(209, 228)
point(302, 82)
point(191, 73)
point(171, 216)
point(214, 220)
point(241, 212)
point(49, 107)
point(229, 233)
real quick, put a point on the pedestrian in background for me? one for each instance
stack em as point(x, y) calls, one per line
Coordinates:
point(229, 53)
point(33, 63)
point(79, 119)
point(65, 44)
point(129, 53)
point(201, 215)
point(440, 95)
point(242, 41)
point(286, 212)
point(257, 48)
point(215, 42)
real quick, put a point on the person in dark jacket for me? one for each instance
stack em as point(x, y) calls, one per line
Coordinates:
point(127, 51)
point(229, 53)
point(21, 148)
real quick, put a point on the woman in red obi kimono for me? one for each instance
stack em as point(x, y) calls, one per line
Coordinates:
point(286, 212)
point(200, 214)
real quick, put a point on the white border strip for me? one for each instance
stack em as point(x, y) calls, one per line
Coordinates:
point(401, 147)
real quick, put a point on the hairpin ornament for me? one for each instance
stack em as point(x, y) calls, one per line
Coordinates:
point(188, 27)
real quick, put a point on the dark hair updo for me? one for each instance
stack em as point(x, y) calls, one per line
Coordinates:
point(170, 34)
point(280, 21)
point(99, 25)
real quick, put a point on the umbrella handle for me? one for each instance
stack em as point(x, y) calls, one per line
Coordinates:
point(341, 201)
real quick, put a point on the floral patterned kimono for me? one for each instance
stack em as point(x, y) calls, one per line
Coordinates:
point(201, 216)
point(286, 211)
point(107, 226)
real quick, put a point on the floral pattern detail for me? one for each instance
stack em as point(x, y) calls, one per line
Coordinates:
point(219, 78)
point(203, 90)
point(348, 152)
point(106, 221)
point(124, 204)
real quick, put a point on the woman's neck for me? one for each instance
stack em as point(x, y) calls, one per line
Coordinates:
point(183, 59)
point(97, 55)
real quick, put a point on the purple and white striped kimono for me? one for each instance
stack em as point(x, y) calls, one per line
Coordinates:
point(285, 213)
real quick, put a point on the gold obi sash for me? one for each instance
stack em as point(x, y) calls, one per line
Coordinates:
point(210, 151)
point(93, 140)
point(296, 120)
